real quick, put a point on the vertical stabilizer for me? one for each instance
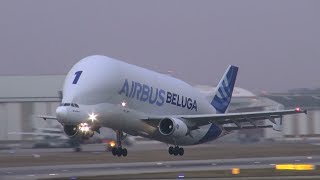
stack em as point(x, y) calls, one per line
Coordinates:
point(223, 92)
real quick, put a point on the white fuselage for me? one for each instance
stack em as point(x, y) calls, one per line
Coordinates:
point(122, 95)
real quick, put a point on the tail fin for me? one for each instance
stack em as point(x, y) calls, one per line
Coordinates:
point(223, 92)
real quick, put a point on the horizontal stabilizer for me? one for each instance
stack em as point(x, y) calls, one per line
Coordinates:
point(45, 117)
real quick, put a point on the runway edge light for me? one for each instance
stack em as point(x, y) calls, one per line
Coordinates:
point(235, 171)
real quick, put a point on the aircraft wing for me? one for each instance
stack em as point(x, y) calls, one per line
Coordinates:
point(44, 117)
point(194, 121)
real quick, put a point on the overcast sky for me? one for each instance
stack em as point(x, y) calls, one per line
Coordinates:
point(275, 43)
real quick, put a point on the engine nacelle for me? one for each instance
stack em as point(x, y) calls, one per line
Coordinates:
point(71, 130)
point(78, 131)
point(173, 127)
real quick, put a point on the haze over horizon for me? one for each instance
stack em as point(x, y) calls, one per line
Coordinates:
point(276, 44)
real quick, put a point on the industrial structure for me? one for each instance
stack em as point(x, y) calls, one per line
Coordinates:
point(23, 97)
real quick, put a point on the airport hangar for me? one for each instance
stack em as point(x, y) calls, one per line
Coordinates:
point(23, 97)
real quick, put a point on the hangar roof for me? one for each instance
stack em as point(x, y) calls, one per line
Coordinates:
point(30, 88)
point(292, 100)
point(237, 92)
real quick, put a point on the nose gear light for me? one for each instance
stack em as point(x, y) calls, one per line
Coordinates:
point(84, 127)
point(123, 104)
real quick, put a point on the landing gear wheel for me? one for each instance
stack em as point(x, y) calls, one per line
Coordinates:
point(77, 149)
point(114, 151)
point(176, 151)
point(124, 152)
point(181, 151)
point(119, 151)
point(170, 150)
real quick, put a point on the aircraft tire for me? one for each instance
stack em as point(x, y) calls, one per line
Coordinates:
point(119, 151)
point(124, 152)
point(77, 149)
point(170, 150)
point(114, 151)
point(176, 151)
point(181, 151)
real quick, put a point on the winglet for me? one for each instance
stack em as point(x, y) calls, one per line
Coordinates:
point(223, 92)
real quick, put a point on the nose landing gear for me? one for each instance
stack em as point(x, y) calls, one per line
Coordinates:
point(176, 151)
point(119, 151)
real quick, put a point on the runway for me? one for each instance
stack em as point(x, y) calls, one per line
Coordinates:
point(39, 172)
point(94, 161)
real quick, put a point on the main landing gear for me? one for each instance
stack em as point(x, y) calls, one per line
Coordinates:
point(119, 151)
point(176, 150)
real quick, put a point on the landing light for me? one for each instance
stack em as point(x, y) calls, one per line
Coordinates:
point(93, 117)
point(123, 104)
point(84, 127)
point(112, 144)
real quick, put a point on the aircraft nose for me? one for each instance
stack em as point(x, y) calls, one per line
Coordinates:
point(61, 113)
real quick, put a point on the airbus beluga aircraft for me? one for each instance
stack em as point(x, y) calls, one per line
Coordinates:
point(103, 92)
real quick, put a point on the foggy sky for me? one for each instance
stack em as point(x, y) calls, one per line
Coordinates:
point(275, 43)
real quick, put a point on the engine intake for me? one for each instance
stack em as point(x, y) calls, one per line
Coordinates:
point(173, 127)
point(71, 130)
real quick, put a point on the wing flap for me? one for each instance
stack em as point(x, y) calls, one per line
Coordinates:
point(233, 118)
point(246, 127)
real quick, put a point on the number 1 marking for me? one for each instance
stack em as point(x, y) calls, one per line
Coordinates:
point(76, 79)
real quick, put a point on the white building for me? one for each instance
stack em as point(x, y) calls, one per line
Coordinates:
point(22, 97)
point(299, 126)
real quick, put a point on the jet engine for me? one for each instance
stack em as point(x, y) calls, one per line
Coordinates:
point(71, 130)
point(173, 127)
point(78, 131)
